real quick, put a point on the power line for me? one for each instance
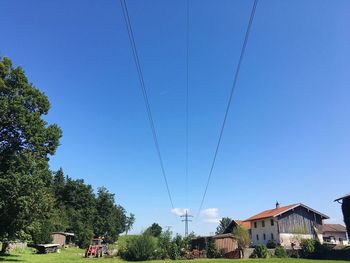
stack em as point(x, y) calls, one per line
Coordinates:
point(246, 37)
point(187, 90)
point(144, 93)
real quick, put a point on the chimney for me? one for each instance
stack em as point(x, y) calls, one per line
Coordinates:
point(277, 205)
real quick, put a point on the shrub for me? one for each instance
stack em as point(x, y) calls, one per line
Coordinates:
point(139, 248)
point(280, 252)
point(174, 252)
point(242, 236)
point(271, 244)
point(322, 251)
point(307, 247)
point(164, 245)
point(260, 251)
point(211, 248)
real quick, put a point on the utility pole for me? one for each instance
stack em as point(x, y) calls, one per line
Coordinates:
point(186, 219)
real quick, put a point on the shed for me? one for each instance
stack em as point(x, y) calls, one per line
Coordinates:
point(223, 242)
point(63, 238)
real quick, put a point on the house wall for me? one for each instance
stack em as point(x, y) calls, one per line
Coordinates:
point(339, 237)
point(257, 233)
point(286, 239)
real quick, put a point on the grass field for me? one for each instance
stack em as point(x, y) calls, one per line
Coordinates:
point(76, 256)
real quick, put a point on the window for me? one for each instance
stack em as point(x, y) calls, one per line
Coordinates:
point(255, 225)
point(272, 236)
point(264, 236)
point(272, 222)
point(257, 237)
point(263, 223)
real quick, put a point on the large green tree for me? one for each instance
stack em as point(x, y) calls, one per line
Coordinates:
point(26, 142)
point(80, 205)
point(109, 218)
point(223, 224)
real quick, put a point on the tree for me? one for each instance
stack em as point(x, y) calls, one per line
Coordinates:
point(223, 224)
point(26, 142)
point(154, 230)
point(109, 218)
point(129, 222)
point(58, 184)
point(346, 213)
point(80, 204)
point(242, 236)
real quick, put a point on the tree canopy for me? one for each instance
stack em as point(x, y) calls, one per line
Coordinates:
point(223, 224)
point(34, 201)
point(26, 142)
point(154, 230)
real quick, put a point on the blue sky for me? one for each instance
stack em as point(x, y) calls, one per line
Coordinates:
point(288, 133)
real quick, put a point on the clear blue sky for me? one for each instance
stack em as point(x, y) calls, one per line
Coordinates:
point(288, 133)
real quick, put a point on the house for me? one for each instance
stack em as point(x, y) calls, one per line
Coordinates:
point(62, 238)
point(335, 234)
point(286, 225)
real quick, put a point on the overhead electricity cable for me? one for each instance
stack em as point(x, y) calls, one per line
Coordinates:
point(187, 91)
point(236, 73)
point(144, 93)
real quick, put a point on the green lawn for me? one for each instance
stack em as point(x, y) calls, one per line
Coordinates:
point(76, 256)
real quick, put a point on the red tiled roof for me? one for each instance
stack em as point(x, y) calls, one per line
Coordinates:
point(278, 211)
point(333, 228)
point(244, 224)
point(271, 212)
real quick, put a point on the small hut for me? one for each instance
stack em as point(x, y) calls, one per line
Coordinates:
point(224, 242)
point(63, 238)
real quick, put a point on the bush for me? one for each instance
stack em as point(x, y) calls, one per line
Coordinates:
point(307, 247)
point(174, 252)
point(271, 244)
point(260, 251)
point(242, 236)
point(139, 248)
point(164, 244)
point(280, 252)
point(322, 251)
point(211, 248)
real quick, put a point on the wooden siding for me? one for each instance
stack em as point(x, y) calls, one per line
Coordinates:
point(297, 219)
point(58, 238)
point(227, 244)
